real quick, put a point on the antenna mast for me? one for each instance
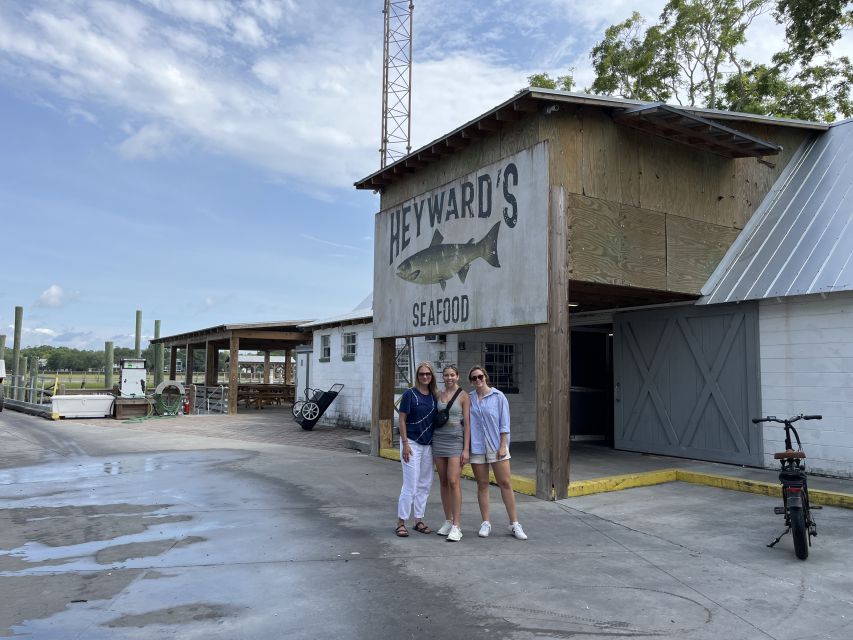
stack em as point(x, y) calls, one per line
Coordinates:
point(397, 81)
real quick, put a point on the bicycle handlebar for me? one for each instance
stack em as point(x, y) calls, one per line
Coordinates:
point(788, 421)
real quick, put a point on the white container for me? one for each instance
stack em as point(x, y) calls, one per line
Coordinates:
point(88, 406)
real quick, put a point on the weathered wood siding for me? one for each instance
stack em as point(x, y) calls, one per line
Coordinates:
point(807, 367)
point(643, 211)
point(647, 212)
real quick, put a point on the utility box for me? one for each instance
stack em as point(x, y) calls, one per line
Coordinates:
point(133, 377)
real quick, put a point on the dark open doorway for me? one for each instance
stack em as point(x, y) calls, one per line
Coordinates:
point(592, 384)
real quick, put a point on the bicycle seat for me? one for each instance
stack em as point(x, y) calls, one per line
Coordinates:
point(789, 454)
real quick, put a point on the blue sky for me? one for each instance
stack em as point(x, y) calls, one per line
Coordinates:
point(195, 158)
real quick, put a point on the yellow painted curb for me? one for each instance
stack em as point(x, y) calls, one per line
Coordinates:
point(618, 483)
point(55, 416)
point(831, 498)
point(733, 484)
point(527, 486)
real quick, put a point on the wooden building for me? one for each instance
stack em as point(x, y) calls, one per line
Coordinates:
point(233, 338)
point(556, 210)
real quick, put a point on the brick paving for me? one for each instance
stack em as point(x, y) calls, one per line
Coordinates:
point(271, 425)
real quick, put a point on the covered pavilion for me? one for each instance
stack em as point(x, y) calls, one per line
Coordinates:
point(233, 338)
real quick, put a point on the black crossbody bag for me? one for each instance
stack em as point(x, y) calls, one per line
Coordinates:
point(443, 415)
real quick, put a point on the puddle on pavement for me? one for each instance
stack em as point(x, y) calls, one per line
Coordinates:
point(78, 533)
point(196, 612)
point(76, 470)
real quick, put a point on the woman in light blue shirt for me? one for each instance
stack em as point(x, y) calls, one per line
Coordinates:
point(490, 446)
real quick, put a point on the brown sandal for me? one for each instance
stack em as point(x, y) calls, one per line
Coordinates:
point(421, 527)
point(401, 531)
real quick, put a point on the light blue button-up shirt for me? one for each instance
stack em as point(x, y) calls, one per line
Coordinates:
point(489, 419)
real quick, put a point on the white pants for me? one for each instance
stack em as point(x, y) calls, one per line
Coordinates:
point(417, 480)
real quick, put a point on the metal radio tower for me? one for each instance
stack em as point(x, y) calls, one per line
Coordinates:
point(397, 81)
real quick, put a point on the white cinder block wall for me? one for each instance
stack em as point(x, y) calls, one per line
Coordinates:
point(807, 367)
point(522, 409)
point(352, 407)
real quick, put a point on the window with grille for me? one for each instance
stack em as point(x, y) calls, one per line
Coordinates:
point(503, 364)
point(348, 346)
point(325, 348)
point(401, 365)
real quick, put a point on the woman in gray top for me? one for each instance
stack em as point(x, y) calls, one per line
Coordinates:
point(451, 445)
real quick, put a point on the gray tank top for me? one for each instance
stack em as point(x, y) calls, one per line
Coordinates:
point(448, 440)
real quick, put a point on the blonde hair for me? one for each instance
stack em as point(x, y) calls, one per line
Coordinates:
point(433, 385)
point(481, 368)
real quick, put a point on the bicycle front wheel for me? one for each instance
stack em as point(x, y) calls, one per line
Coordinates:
point(799, 532)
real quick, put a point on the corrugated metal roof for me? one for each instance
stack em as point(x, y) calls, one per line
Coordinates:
point(800, 240)
point(353, 317)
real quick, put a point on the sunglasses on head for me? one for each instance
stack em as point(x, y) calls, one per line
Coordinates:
point(477, 376)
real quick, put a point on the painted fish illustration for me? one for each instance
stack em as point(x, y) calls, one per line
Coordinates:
point(440, 262)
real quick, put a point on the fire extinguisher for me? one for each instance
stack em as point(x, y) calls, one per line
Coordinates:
point(186, 406)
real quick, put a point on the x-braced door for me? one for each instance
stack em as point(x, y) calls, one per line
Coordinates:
point(687, 382)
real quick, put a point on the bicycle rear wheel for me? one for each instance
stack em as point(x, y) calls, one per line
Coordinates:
point(799, 532)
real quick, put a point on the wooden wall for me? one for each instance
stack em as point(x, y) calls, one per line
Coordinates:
point(648, 212)
point(643, 211)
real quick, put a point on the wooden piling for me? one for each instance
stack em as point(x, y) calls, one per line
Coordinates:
point(16, 351)
point(158, 356)
point(138, 342)
point(108, 365)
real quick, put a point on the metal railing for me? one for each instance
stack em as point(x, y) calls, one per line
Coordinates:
point(209, 400)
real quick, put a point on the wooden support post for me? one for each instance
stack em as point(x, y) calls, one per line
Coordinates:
point(16, 352)
point(22, 381)
point(215, 366)
point(109, 358)
point(137, 345)
point(553, 363)
point(288, 366)
point(266, 367)
point(210, 364)
point(158, 356)
point(382, 421)
point(34, 376)
point(233, 374)
point(188, 365)
point(173, 363)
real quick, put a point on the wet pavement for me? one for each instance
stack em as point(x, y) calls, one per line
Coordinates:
point(177, 529)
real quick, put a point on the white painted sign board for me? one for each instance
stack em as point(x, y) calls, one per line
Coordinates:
point(471, 254)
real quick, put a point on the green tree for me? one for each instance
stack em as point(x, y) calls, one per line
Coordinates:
point(545, 81)
point(634, 64)
point(692, 56)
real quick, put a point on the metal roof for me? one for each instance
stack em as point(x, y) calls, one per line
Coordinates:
point(220, 330)
point(695, 131)
point(800, 240)
point(353, 317)
point(529, 101)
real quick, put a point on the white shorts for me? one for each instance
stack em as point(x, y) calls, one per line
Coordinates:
point(488, 457)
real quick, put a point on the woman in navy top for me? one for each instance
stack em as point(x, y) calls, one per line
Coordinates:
point(417, 410)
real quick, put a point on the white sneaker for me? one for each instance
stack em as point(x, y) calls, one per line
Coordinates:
point(444, 529)
point(455, 534)
point(517, 531)
point(485, 529)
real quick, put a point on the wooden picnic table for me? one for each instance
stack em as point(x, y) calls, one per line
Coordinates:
point(258, 395)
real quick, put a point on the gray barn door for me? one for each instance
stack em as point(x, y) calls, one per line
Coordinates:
point(687, 382)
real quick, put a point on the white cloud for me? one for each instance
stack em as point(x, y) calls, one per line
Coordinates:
point(40, 332)
point(55, 297)
point(151, 141)
point(293, 88)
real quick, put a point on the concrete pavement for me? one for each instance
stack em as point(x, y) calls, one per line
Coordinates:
point(186, 529)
